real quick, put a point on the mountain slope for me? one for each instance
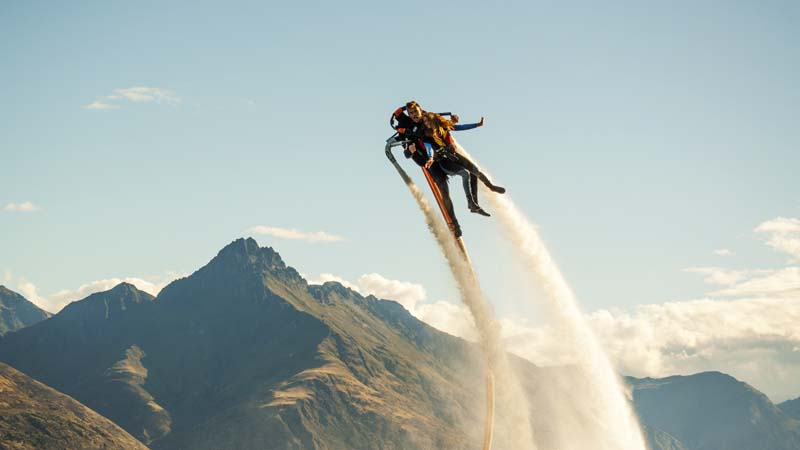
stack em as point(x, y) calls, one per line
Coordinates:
point(791, 408)
point(17, 312)
point(88, 351)
point(714, 411)
point(244, 354)
point(36, 417)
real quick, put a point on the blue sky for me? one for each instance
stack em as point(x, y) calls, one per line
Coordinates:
point(640, 137)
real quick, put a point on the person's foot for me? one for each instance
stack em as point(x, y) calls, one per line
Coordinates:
point(498, 189)
point(478, 210)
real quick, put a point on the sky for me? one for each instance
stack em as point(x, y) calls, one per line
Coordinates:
point(655, 145)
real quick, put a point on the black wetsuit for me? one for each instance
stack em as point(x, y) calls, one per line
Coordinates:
point(453, 162)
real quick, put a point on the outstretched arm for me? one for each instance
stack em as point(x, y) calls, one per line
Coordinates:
point(468, 126)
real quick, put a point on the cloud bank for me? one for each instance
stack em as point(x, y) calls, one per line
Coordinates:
point(754, 339)
point(748, 326)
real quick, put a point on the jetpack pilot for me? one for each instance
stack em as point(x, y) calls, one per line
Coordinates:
point(410, 127)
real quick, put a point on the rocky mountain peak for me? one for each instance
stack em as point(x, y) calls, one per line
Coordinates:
point(117, 300)
point(244, 259)
point(6, 293)
point(17, 312)
point(331, 287)
point(246, 252)
point(125, 288)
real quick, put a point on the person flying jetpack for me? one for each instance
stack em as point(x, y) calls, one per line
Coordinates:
point(425, 138)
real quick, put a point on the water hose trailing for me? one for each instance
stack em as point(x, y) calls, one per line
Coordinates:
point(460, 266)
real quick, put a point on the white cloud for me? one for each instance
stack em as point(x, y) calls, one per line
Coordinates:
point(723, 252)
point(31, 292)
point(777, 283)
point(136, 94)
point(101, 105)
point(779, 225)
point(406, 293)
point(143, 94)
point(448, 317)
point(21, 207)
point(291, 233)
point(753, 339)
point(719, 275)
point(784, 235)
point(326, 277)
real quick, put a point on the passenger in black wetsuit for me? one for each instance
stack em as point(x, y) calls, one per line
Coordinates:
point(442, 150)
point(410, 127)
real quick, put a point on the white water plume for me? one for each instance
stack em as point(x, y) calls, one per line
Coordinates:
point(586, 403)
point(512, 408)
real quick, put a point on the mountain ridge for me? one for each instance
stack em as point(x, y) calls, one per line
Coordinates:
point(791, 408)
point(17, 312)
point(244, 353)
point(713, 410)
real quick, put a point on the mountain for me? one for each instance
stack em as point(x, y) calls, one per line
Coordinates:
point(89, 352)
point(714, 411)
point(245, 354)
point(17, 312)
point(791, 408)
point(36, 417)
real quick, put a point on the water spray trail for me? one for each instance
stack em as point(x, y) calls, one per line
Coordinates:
point(605, 399)
point(514, 408)
point(608, 405)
